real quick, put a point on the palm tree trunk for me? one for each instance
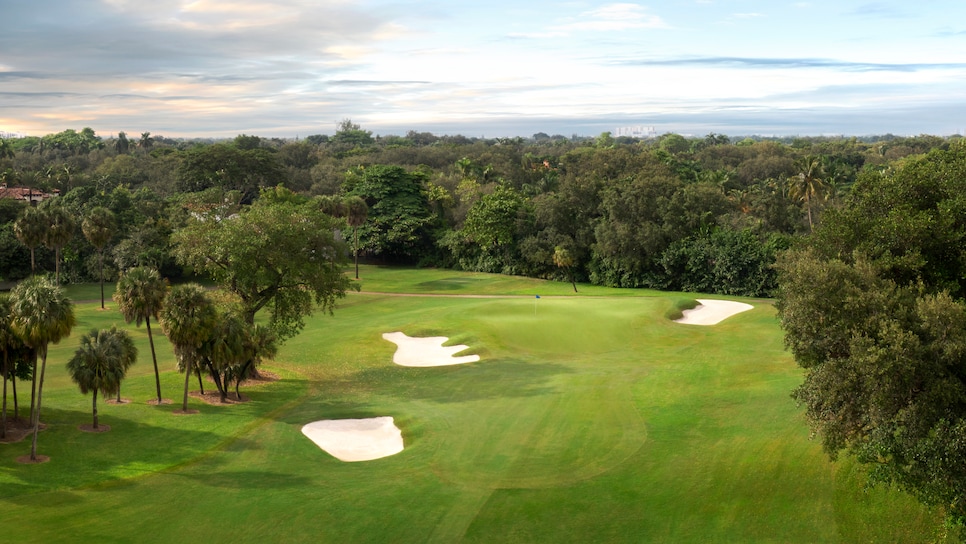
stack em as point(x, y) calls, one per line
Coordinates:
point(95, 408)
point(154, 358)
point(33, 262)
point(355, 248)
point(33, 389)
point(119, 393)
point(241, 376)
point(40, 392)
point(101, 259)
point(3, 429)
point(201, 385)
point(222, 387)
point(187, 376)
point(57, 264)
point(808, 205)
point(16, 405)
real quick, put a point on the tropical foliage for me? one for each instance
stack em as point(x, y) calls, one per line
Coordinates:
point(872, 307)
point(101, 362)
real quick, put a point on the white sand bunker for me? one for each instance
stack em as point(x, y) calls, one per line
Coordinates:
point(426, 351)
point(712, 312)
point(356, 439)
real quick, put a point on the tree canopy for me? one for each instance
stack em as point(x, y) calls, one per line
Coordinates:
point(399, 218)
point(873, 311)
point(279, 253)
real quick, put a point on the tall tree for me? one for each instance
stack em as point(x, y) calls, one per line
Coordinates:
point(98, 227)
point(146, 141)
point(122, 144)
point(279, 253)
point(30, 228)
point(100, 363)
point(6, 150)
point(260, 343)
point(563, 258)
point(809, 184)
point(139, 296)
point(9, 344)
point(42, 315)
point(187, 318)
point(400, 217)
point(60, 229)
point(129, 355)
point(230, 168)
point(356, 213)
point(872, 309)
point(224, 350)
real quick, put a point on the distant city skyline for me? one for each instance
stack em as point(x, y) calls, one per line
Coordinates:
point(291, 68)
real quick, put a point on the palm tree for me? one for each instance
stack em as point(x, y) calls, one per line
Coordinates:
point(225, 350)
point(808, 184)
point(30, 228)
point(356, 213)
point(60, 229)
point(129, 355)
point(41, 314)
point(98, 228)
point(6, 150)
point(146, 140)
point(101, 361)
point(564, 258)
point(122, 144)
point(139, 295)
point(187, 318)
point(9, 343)
point(260, 343)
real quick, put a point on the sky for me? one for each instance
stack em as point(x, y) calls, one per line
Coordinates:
point(292, 68)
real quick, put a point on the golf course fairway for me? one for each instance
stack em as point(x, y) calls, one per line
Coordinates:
point(589, 418)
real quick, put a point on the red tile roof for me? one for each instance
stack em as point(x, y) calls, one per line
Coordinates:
point(23, 193)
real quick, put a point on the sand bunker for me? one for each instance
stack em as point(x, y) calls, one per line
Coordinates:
point(712, 312)
point(426, 351)
point(356, 439)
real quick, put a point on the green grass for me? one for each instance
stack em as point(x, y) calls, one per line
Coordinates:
point(588, 419)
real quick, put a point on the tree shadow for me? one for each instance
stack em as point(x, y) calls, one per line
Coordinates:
point(486, 379)
point(455, 283)
point(247, 479)
point(133, 447)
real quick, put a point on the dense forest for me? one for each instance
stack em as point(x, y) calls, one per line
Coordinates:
point(706, 214)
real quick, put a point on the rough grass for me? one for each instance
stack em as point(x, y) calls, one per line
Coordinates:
point(589, 419)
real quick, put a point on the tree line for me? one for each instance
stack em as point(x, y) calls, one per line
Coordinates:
point(698, 214)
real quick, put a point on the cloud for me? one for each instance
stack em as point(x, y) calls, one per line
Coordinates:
point(111, 38)
point(792, 63)
point(877, 10)
point(747, 15)
point(615, 17)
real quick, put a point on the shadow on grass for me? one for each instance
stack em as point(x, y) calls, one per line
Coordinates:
point(133, 447)
point(248, 479)
point(456, 283)
point(488, 379)
point(493, 379)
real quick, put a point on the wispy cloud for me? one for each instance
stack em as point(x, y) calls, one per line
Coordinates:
point(281, 67)
point(615, 17)
point(792, 63)
point(877, 10)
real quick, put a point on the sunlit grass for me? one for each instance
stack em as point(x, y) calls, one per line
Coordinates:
point(588, 419)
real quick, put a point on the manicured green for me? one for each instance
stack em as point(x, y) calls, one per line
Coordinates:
point(588, 419)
